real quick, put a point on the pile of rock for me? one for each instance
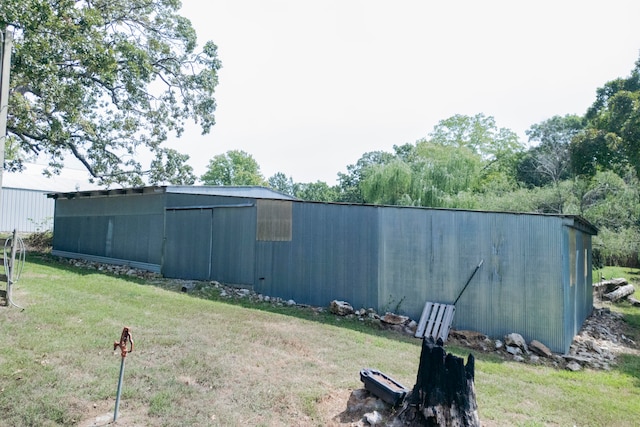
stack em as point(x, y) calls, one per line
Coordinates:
point(392, 321)
point(118, 270)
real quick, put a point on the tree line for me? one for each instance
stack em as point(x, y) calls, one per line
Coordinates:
point(578, 165)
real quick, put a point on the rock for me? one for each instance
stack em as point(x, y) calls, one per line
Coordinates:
point(363, 401)
point(574, 366)
point(468, 335)
point(243, 292)
point(518, 359)
point(516, 340)
point(540, 349)
point(291, 302)
point(395, 319)
point(499, 344)
point(373, 418)
point(341, 308)
point(516, 351)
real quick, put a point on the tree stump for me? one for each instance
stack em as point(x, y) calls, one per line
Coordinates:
point(619, 293)
point(444, 394)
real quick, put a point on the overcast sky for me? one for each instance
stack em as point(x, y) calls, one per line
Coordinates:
point(307, 87)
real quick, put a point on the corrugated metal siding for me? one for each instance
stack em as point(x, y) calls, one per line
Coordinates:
point(233, 249)
point(25, 211)
point(332, 255)
point(215, 243)
point(578, 301)
point(430, 255)
point(188, 244)
point(130, 228)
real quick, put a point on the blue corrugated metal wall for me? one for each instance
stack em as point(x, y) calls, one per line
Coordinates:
point(332, 255)
point(210, 238)
point(125, 228)
point(428, 255)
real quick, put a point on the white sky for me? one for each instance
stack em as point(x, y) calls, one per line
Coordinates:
point(307, 87)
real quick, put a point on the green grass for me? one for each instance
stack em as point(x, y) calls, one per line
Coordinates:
point(198, 360)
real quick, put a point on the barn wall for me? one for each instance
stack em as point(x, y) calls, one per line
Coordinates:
point(332, 254)
point(577, 280)
point(119, 227)
point(211, 243)
point(429, 255)
point(210, 238)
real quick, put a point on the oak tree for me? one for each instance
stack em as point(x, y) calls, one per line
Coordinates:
point(105, 81)
point(235, 167)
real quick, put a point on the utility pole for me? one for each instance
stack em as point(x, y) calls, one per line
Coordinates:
point(6, 37)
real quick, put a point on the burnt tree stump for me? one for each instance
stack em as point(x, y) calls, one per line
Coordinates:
point(444, 394)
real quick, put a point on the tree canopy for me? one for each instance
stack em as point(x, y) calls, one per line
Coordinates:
point(235, 167)
point(101, 81)
point(612, 137)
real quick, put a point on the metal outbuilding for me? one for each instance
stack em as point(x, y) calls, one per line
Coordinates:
point(535, 277)
point(23, 206)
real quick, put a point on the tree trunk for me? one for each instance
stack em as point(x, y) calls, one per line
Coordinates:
point(610, 285)
point(444, 394)
point(634, 302)
point(620, 293)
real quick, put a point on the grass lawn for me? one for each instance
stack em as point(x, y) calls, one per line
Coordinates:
point(202, 361)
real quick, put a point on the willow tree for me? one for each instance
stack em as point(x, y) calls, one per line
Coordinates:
point(388, 184)
point(441, 172)
point(104, 81)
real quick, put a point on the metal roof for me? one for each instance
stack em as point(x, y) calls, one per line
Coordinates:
point(230, 191)
point(255, 192)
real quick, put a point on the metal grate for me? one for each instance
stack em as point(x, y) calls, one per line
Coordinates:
point(435, 321)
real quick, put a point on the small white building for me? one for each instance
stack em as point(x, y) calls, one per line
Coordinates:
point(24, 205)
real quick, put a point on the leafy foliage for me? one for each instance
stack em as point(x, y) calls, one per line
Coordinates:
point(235, 167)
point(281, 182)
point(315, 191)
point(101, 80)
point(612, 139)
point(549, 161)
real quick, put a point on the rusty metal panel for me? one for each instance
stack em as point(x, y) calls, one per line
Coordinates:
point(274, 220)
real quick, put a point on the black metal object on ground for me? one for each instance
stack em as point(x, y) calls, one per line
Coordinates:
point(383, 386)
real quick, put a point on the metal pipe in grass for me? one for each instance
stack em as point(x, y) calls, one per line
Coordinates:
point(124, 339)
